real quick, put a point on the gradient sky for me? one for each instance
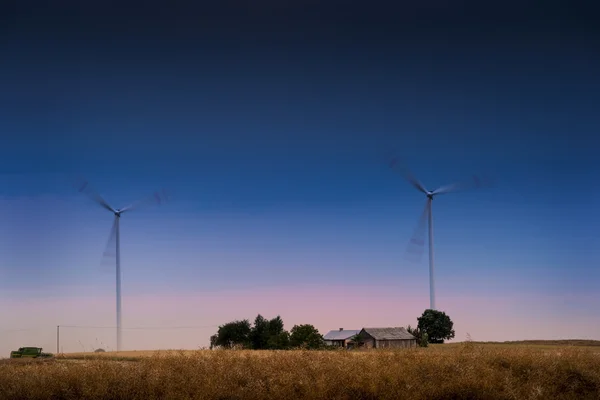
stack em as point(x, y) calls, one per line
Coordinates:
point(270, 124)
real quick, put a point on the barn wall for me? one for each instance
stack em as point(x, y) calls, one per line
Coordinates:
point(395, 344)
point(338, 343)
point(369, 343)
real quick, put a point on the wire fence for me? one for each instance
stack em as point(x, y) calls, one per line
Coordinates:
point(140, 327)
point(88, 338)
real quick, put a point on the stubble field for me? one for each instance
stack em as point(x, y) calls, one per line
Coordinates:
point(450, 371)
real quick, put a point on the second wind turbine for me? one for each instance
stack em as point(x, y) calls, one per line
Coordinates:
point(475, 182)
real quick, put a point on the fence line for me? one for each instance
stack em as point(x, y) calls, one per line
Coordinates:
point(139, 328)
point(45, 330)
point(20, 330)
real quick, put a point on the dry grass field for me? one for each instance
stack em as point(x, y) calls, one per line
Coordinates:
point(450, 371)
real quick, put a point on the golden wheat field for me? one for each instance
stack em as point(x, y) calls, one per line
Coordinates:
point(462, 371)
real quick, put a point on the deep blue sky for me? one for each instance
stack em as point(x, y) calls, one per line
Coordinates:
point(270, 125)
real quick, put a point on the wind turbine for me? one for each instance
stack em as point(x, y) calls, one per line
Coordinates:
point(474, 182)
point(84, 187)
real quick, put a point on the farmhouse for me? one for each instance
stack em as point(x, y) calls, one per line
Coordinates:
point(340, 337)
point(386, 338)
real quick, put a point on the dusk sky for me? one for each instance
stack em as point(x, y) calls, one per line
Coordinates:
point(270, 125)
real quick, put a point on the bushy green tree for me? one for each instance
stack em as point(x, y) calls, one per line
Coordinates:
point(266, 334)
point(437, 325)
point(236, 333)
point(279, 338)
point(306, 336)
point(269, 334)
point(276, 326)
point(279, 341)
point(259, 336)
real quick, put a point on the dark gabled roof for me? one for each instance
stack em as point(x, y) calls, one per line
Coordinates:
point(389, 333)
point(340, 335)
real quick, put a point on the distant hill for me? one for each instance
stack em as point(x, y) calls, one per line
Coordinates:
point(563, 342)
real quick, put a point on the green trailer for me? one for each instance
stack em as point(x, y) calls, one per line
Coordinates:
point(30, 352)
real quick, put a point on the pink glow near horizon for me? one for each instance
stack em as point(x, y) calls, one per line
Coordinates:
point(493, 319)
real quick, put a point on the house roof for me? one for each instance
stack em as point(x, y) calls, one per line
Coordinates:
point(340, 335)
point(389, 333)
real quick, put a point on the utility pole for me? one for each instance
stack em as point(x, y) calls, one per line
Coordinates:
point(57, 339)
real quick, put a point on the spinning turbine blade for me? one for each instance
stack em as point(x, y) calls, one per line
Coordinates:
point(416, 245)
point(399, 167)
point(158, 198)
point(83, 186)
point(110, 254)
point(474, 183)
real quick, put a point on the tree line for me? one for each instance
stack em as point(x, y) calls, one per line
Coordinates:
point(264, 334)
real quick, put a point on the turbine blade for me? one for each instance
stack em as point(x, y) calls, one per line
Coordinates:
point(474, 183)
point(399, 167)
point(82, 185)
point(416, 245)
point(156, 198)
point(109, 257)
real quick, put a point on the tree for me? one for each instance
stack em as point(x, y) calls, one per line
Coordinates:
point(414, 331)
point(232, 334)
point(420, 335)
point(279, 338)
point(280, 341)
point(259, 336)
point(267, 334)
point(356, 341)
point(276, 326)
point(306, 336)
point(437, 325)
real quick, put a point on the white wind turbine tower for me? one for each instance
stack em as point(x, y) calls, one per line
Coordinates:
point(156, 198)
point(427, 215)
